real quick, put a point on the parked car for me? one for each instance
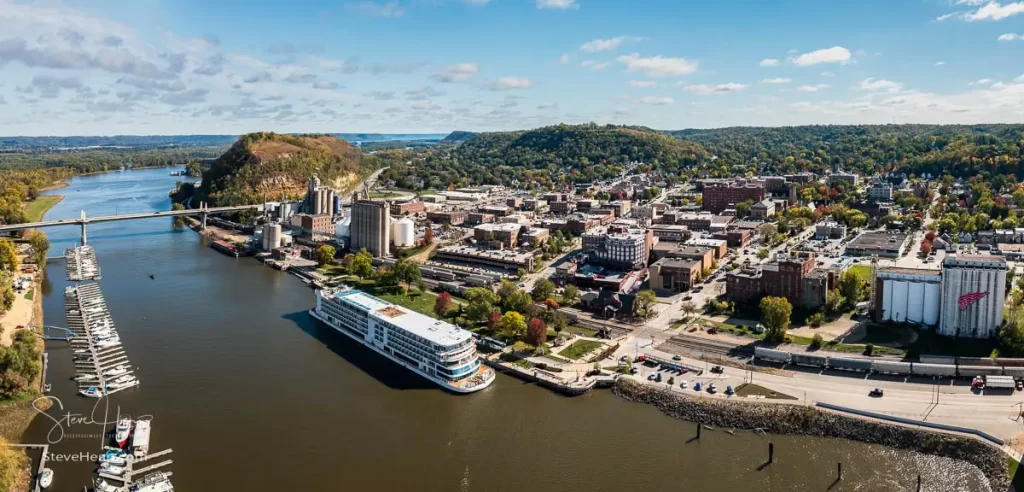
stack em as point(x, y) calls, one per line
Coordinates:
point(877, 393)
point(676, 357)
point(682, 385)
point(717, 369)
point(696, 386)
point(712, 389)
point(728, 390)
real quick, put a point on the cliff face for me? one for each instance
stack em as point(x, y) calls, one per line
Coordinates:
point(279, 166)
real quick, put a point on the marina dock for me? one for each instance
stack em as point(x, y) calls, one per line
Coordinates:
point(101, 364)
point(82, 264)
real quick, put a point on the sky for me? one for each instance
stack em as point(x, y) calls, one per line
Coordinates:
point(100, 67)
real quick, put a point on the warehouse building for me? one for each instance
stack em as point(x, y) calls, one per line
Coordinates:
point(907, 295)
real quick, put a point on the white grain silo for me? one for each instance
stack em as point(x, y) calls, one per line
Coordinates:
point(271, 236)
point(343, 229)
point(403, 233)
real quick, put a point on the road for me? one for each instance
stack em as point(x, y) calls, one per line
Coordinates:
point(945, 401)
point(111, 218)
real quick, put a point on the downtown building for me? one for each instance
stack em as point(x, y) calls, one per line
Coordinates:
point(627, 250)
point(716, 198)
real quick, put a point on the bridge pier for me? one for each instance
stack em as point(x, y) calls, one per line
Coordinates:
point(83, 234)
point(203, 225)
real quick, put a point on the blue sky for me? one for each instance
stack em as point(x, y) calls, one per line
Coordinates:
point(418, 66)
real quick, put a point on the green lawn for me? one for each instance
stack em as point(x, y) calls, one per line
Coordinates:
point(579, 348)
point(853, 348)
point(415, 300)
point(30, 294)
point(384, 194)
point(862, 271)
point(36, 209)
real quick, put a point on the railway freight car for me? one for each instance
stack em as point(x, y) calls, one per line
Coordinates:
point(943, 370)
point(972, 371)
point(772, 355)
point(891, 367)
point(849, 364)
point(810, 360)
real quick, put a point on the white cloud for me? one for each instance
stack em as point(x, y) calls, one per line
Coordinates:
point(995, 11)
point(641, 83)
point(557, 4)
point(707, 90)
point(594, 65)
point(509, 83)
point(939, 63)
point(655, 100)
point(777, 80)
point(872, 84)
point(981, 82)
point(770, 62)
point(1019, 78)
point(564, 60)
point(596, 45)
point(835, 54)
point(459, 72)
point(812, 88)
point(366, 7)
point(324, 85)
point(1009, 37)
point(828, 74)
point(658, 66)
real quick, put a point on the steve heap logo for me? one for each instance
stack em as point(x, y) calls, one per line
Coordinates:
point(967, 300)
point(67, 425)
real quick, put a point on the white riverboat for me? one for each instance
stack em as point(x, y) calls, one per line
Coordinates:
point(434, 349)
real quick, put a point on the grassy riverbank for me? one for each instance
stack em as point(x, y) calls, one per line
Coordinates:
point(36, 209)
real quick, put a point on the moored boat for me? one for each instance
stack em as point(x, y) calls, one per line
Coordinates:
point(111, 469)
point(123, 431)
point(91, 392)
point(45, 478)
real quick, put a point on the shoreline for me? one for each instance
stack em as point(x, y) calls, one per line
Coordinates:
point(790, 419)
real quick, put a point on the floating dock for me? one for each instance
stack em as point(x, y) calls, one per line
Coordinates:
point(100, 359)
point(82, 264)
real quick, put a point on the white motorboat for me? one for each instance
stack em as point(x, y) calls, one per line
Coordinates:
point(80, 351)
point(155, 482)
point(103, 486)
point(107, 343)
point(123, 430)
point(123, 379)
point(113, 459)
point(117, 371)
point(46, 478)
point(111, 469)
point(86, 377)
point(123, 384)
point(91, 392)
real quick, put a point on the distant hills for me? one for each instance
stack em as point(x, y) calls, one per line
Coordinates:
point(8, 144)
point(457, 137)
point(279, 166)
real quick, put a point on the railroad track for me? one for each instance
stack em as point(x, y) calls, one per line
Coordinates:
point(704, 345)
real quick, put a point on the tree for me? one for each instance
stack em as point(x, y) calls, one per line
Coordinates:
point(6, 292)
point(743, 208)
point(571, 295)
point(428, 236)
point(817, 342)
point(536, 332)
point(8, 256)
point(834, 302)
point(543, 289)
point(762, 253)
point(12, 464)
point(406, 273)
point(481, 303)
point(513, 299)
point(775, 313)
point(816, 319)
point(645, 301)
point(362, 265)
point(560, 322)
point(852, 288)
point(513, 325)
point(926, 247)
point(493, 321)
point(324, 254)
point(443, 305)
point(40, 247)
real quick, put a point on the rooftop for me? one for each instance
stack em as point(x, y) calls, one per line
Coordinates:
point(878, 240)
point(908, 271)
point(433, 330)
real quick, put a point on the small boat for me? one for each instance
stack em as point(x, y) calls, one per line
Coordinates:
point(154, 482)
point(123, 379)
point(123, 430)
point(103, 486)
point(123, 384)
point(151, 276)
point(113, 453)
point(113, 460)
point(45, 478)
point(81, 351)
point(111, 469)
point(47, 388)
point(117, 371)
point(91, 392)
point(85, 377)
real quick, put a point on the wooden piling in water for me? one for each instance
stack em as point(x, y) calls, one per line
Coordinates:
point(839, 470)
point(771, 452)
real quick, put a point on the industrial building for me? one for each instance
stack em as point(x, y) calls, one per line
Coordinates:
point(320, 200)
point(454, 217)
point(973, 295)
point(371, 227)
point(883, 244)
point(408, 208)
point(907, 295)
point(403, 233)
point(504, 259)
point(271, 236)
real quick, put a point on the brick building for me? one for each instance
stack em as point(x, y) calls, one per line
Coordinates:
point(722, 196)
point(782, 277)
point(409, 208)
point(455, 217)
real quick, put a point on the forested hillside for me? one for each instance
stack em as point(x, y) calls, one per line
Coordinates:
point(960, 150)
point(548, 157)
point(276, 166)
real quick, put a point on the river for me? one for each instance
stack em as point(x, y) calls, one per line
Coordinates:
point(252, 394)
